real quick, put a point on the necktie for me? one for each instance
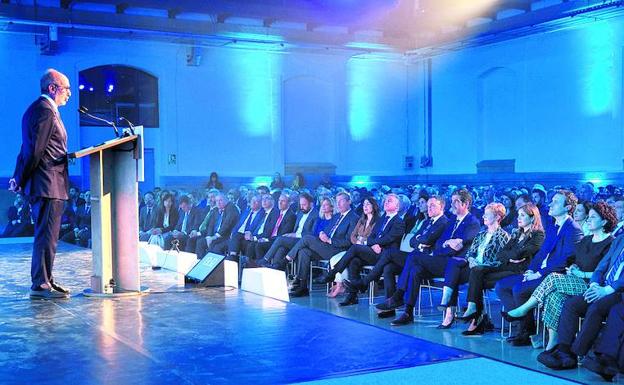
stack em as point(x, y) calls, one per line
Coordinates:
point(614, 269)
point(383, 226)
point(184, 222)
point(88, 208)
point(457, 222)
point(335, 226)
point(277, 225)
point(219, 221)
point(248, 221)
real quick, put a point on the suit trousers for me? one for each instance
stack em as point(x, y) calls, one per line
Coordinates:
point(279, 249)
point(513, 292)
point(237, 243)
point(612, 336)
point(389, 265)
point(262, 248)
point(311, 248)
point(423, 267)
point(594, 313)
point(484, 277)
point(356, 257)
point(46, 214)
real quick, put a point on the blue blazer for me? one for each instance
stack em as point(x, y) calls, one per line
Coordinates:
point(429, 235)
point(600, 274)
point(391, 234)
point(466, 231)
point(561, 247)
point(342, 235)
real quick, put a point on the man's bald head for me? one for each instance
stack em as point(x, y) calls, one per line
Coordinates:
point(56, 85)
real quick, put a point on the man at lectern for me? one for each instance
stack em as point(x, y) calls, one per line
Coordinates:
point(41, 173)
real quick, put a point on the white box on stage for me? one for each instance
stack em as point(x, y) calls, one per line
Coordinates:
point(178, 261)
point(266, 282)
point(149, 253)
point(213, 270)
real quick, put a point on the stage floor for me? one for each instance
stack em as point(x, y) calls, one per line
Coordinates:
point(217, 336)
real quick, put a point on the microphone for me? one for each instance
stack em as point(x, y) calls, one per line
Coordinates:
point(131, 126)
point(84, 110)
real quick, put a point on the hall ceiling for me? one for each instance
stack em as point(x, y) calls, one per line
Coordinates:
point(397, 26)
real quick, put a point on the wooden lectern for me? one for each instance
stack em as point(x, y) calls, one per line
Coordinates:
point(116, 167)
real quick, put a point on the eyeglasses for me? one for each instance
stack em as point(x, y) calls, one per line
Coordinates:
point(65, 88)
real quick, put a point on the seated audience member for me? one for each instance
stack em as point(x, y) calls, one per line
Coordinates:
point(67, 219)
point(165, 221)
point(189, 220)
point(75, 200)
point(215, 237)
point(147, 217)
point(558, 247)
point(482, 252)
point(323, 247)
point(326, 213)
point(298, 182)
point(304, 225)
point(604, 292)
point(539, 197)
point(20, 222)
point(244, 196)
point(277, 183)
point(557, 287)
point(81, 233)
point(262, 190)
point(233, 196)
point(509, 202)
point(266, 227)
point(417, 213)
point(361, 232)
point(282, 222)
point(248, 223)
point(419, 265)
point(618, 205)
point(386, 234)
point(522, 200)
point(607, 359)
point(513, 258)
point(208, 202)
point(214, 181)
point(580, 215)
point(392, 261)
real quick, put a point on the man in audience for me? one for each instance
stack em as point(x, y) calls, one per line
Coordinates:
point(147, 217)
point(325, 246)
point(81, 234)
point(607, 359)
point(618, 204)
point(266, 227)
point(248, 223)
point(558, 247)
point(188, 221)
point(219, 228)
point(455, 241)
point(304, 225)
point(282, 224)
point(385, 236)
point(392, 261)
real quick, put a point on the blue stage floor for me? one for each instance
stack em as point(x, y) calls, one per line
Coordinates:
point(202, 336)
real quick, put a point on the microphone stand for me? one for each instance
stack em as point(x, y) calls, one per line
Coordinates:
point(83, 110)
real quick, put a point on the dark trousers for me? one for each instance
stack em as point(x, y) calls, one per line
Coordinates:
point(484, 277)
point(424, 266)
point(612, 336)
point(217, 246)
point(279, 249)
point(513, 292)
point(46, 214)
point(310, 248)
point(262, 248)
point(594, 313)
point(456, 273)
point(356, 257)
point(237, 243)
point(389, 265)
point(191, 244)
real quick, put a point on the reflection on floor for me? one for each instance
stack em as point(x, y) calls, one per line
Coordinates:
point(221, 336)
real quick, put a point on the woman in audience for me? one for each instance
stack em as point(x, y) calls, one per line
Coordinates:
point(513, 258)
point(363, 228)
point(166, 220)
point(298, 182)
point(580, 215)
point(326, 213)
point(214, 181)
point(482, 252)
point(277, 183)
point(557, 287)
point(509, 201)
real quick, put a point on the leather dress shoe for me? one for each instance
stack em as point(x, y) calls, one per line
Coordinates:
point(386, 314)
point(355, 285)
point(544, 356)
point(607, 369)
point(47, 294)
point(324, 279)
point(351, 299)
point(59, 288)
point(390, 304)
point(403, 319)
point(522, 340)
point(558, 360)
point(300, 292)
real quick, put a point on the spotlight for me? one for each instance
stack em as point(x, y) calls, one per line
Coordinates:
point(81, 87)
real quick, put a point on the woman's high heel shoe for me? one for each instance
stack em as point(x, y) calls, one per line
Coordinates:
point(469, 317)
point(510, 318)
point(443, 326)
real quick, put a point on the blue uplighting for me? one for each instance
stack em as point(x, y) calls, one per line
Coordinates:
point(362, 99)
point(599, 68)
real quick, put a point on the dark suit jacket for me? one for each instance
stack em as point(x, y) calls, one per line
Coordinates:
point(147, 223)
point(561, 247)
point(193, 221)
point(429, 235)
point(342, 236)
point(466, 231)
point(173, 220)
point(518, 250)
point(41, 166)
point(228, 221)
point(600, 274)
point(83, 218)
point(308, 225)
point(390, 236)
point(286, 226)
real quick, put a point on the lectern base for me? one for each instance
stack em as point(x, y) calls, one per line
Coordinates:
point(90, 293)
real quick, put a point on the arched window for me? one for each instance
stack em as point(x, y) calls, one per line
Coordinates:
point(113, 92)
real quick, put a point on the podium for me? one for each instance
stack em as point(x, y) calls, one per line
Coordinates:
point(116, 167)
